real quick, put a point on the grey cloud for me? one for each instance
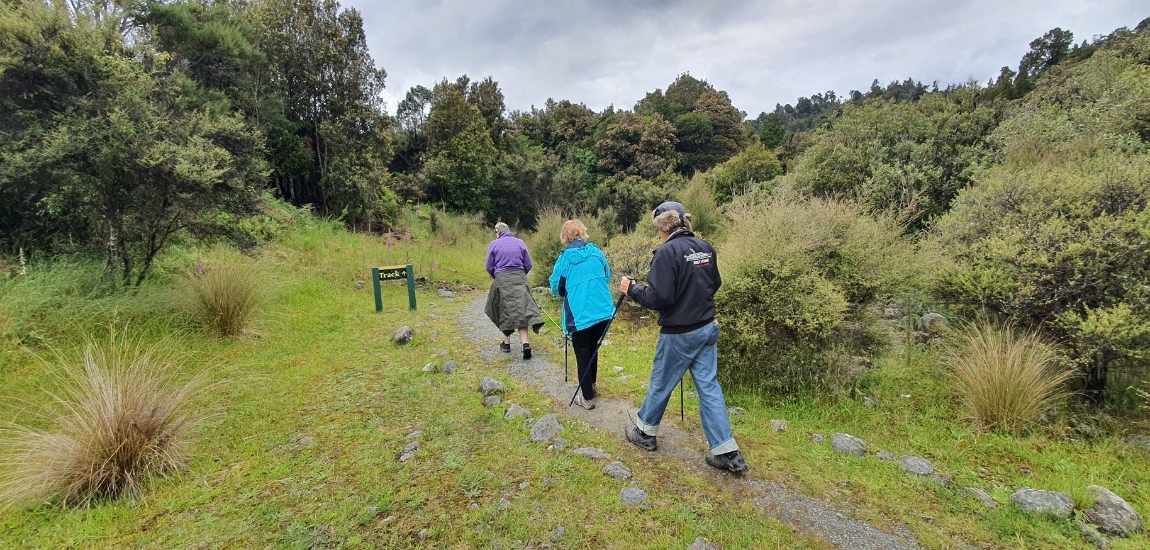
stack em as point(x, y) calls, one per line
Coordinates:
point(605, 52)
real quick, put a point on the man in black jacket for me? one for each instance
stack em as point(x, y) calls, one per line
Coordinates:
point(681, 287)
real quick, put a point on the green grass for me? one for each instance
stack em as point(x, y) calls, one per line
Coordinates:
point(916, 412)
point(318, 363)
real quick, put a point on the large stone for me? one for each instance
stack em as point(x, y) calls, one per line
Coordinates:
point(916, 465)
point(492, 400)
point(546, 428)
point(592, 452)
point(445, 293)
point(982, 497)
point(617, 471)
point(778, 425)
point(848, 444)
point(1036, 501)
point(933, 323)
point(703, 544)
point(1111, 513)
point(633, 496)
point(403, 335)
point(449, 367)
point(516, 411)
point(490, 386)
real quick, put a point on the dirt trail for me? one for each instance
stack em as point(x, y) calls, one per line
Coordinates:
point(809, 515)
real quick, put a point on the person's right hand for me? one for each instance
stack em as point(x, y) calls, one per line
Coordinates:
point(624, 284)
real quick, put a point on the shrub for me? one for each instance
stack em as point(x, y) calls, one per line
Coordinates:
point(117, 420)
point(225, 296)
point(743, 173)
point(798, 275)
point(545, 246)
point(699, 201)
point(1058, 235)
point(630, 253)
point(1006, 379)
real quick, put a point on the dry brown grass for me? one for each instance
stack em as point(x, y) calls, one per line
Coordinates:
point(113, 418)
point(225, 296)
point(1006, 378)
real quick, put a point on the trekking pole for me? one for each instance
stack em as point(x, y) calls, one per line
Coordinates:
point(565, 340)
point(595, 354)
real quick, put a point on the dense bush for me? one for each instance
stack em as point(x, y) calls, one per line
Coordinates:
point(797, 277)
point(699, 201)
point(1006, 379)
point(631, 198)
point(630, 253)
point(909, 158)
point(113, 421)
point(545, 246)
point(1057, 236)
point(748, 171)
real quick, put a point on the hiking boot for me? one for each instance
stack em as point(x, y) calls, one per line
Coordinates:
point(642, 440)
point(588, 404)
point(526, 351)
point(505, 347)
point(730, 462)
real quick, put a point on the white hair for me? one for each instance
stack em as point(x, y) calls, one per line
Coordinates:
point(502, 229)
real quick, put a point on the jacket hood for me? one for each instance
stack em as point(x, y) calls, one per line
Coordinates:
point(579, 251)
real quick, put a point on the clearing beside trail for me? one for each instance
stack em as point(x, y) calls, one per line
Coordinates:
point(681, 449)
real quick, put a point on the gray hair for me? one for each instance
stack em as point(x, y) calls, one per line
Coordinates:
point(502, 229)
point(667, 222)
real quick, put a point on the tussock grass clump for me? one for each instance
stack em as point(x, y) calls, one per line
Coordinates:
point(108, 424)
point(1006, 378)
point(225, 297)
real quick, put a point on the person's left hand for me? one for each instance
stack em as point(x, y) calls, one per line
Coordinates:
point(624, 284)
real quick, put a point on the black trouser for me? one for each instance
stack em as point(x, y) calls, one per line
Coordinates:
point(584, 342)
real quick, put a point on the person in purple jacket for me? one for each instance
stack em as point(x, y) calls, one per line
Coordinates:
point(509, 302)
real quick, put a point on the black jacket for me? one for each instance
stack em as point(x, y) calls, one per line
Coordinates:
point(682, 284)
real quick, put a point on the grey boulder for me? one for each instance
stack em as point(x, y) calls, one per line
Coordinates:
point(633, 496)
point(1036, 501)
point(933, 323)
point(848, 444)
point(546, 428)
point(617, 471)
point(516, 411)
point(1111, 513)
point(449, 367)
point(403, 335)
point(592, 452)
point(492, 400)
point(490, 386)
point(702, 544)
point(916, 465)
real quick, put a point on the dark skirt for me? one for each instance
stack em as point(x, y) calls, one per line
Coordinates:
point(509, 303)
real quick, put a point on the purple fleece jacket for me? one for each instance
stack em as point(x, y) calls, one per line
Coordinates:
point(507, 253)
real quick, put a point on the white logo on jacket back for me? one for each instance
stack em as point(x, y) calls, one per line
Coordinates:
point(698, 259)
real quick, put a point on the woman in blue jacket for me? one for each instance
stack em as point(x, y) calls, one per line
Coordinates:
point(582, 278)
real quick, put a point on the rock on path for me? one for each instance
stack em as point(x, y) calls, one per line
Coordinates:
point(848, 444)
point(403, 335)
point(1036, 501)
point(592, 452)
point(546, 428)
point(702, 544)
point(516, 411)
point(490, 386)
point(916, 465)
point(1111, 513)
point(633, 497)
point(617, 471)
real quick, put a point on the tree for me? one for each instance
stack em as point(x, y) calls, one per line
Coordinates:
point(460, 171)
point(123, 153)
point(745, 172)
point(708, 127)
point(488, 98)
point(639, 145)
point(629, 198)
point(1045, 52)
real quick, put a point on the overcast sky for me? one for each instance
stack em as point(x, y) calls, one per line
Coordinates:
point(604, 52)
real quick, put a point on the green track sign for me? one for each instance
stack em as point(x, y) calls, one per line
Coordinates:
point(393, 273)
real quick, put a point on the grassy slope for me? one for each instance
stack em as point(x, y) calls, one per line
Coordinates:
point(319, 365)
point(928, 423)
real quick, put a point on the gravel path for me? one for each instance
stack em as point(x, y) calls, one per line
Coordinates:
point(791, 507)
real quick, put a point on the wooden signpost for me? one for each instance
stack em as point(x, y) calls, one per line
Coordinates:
point(393, 273)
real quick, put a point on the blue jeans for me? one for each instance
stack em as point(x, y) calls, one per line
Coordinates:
point(696, 351)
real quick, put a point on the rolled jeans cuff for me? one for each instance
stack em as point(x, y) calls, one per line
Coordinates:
point(645, 427)
point(725, 447)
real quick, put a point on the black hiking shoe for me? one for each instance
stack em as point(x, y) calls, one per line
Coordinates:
point(729, 462)
point(526, 351)
point(505, 347)
point(641, 440)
